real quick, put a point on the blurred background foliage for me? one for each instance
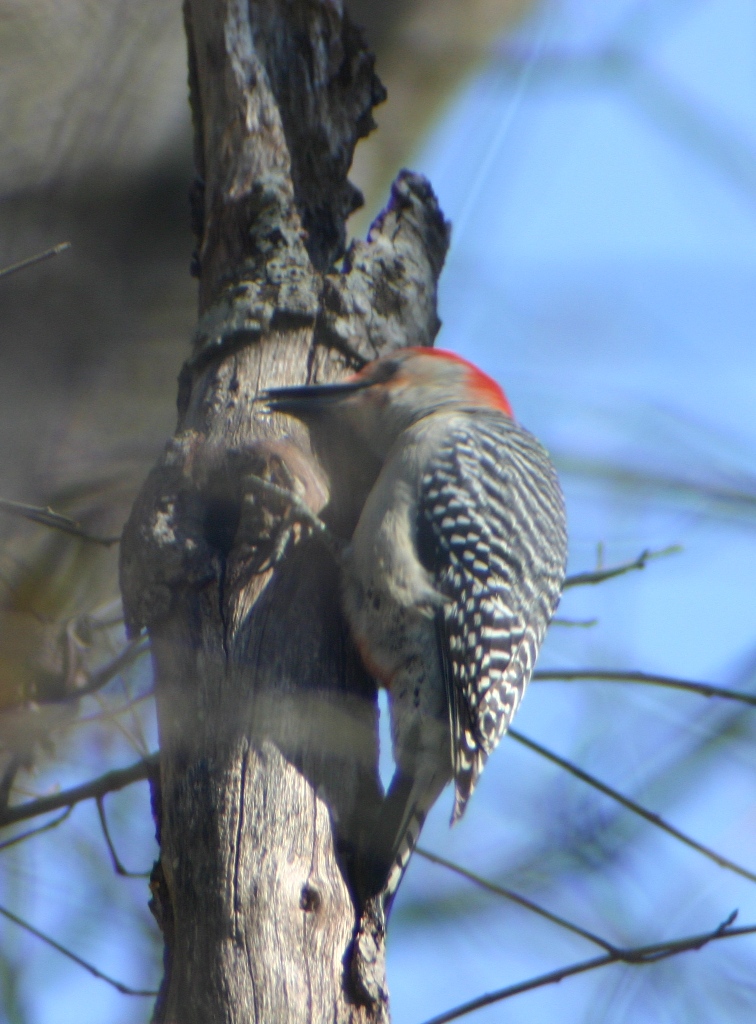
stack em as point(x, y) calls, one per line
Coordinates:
point(599, 164)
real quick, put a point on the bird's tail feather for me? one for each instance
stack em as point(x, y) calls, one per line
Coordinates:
point(397, 832)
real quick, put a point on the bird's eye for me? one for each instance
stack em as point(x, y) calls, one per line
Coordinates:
point(386, 371)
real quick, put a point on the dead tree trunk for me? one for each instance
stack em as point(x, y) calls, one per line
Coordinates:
point(268, 723)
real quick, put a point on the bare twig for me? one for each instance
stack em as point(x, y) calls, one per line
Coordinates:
point(574, 623)
point(124, 989)
point(133, 650)
point(724, 149)
point(631, 805)
point(117, 865)
point(8, 777)
point(132, 733)
point(36, 831)
point(588, 674)
point(56, 521)
point(583, 579)
point(110, 782)
point(638, 955)
point(33, 260)
point(523, 901)
point(103, 617)
point(110, 713)
point(737, 500)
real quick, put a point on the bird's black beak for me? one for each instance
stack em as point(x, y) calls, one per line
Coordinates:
point(310, 399)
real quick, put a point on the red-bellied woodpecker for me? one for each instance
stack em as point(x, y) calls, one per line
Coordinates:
point(453, 571)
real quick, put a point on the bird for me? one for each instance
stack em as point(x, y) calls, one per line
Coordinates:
point(452, 571)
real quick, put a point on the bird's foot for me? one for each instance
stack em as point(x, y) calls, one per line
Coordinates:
point(295, 517)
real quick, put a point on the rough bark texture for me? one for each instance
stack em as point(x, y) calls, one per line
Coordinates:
point(268, 723)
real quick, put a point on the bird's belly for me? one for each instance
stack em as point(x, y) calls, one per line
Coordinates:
point(387, 633)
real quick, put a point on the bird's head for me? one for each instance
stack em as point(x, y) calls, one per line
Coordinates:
point(391, 393)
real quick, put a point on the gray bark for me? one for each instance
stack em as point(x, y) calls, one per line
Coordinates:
point(268, 723)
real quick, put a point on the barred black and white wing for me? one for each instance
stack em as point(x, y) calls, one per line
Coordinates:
point(491, 512)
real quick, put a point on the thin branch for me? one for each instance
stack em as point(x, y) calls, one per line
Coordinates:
point(705, 689)
point(35, 831)
point(102, 617)
point(110, 713)
point(631, 805)
point(584, 579)
point(137, 742)
point(117, 865)
point(638, 955)
point(133, 650)
point(740, 501)
point(12, 769)
point(508, 894)
point(574, 623)
point(110, 782)
point(56, 521)
point(33, 260)
point(124, 989)
point(726, 150)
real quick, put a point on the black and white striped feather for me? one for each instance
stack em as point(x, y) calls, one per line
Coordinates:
point(492, 531)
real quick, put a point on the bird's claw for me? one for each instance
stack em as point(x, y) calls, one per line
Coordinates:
point(297, 513)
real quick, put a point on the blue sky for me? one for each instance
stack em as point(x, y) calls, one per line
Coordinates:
point(604, 274)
